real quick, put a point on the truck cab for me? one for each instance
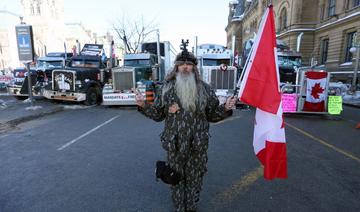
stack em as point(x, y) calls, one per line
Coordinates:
point(288, 61)
point(82, 80)
point(140, 71)
point(40, 75)
point(215, 65)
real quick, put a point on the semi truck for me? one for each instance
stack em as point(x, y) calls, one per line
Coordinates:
point(82, 80)
point(215, 65)
point(40, 75)
point(288, 60)
point(142, 71)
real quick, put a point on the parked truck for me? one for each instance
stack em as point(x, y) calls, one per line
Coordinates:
point(288, 60)
point(140, 71)
point(40, 75)
point(215, 65)
point(82, 80)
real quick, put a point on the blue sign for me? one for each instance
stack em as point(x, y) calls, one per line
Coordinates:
point(25, 42)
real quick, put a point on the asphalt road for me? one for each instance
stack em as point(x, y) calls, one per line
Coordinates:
point(102, 159)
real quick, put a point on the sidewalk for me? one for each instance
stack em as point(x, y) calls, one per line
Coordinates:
point(13, 111)
point(352, 100)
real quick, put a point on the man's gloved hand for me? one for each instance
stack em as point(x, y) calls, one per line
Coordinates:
point(174, 108)
point(230, 103)
point(139, 98)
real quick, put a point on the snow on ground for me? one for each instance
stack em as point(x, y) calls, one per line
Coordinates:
point(33, 108)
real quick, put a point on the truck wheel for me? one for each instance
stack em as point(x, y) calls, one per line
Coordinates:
point(92, 96)
point(21, 97)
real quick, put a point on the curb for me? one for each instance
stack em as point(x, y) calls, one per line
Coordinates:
point(9, 125)
point(23, 119)
point(351, 105)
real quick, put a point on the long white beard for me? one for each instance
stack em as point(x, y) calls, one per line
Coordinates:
point(186, 90)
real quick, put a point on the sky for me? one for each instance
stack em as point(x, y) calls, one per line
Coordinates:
point(176, 20)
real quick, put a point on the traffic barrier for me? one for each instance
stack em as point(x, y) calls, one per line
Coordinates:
point(149, 92)
point(149, 97)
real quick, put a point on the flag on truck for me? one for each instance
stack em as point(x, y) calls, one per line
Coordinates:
point(260, 88)
point(315, 91)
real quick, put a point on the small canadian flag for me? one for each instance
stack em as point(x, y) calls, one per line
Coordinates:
point(315, 91)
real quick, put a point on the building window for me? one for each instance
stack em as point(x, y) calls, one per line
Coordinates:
point(356, 3)
point(283, 19)
point(322, 12)
point(32, 11)
point(324, 51)
point(331, 8)
point(38, 9)
point(350, 39)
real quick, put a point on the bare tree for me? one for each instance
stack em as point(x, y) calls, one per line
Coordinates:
point(133, 33)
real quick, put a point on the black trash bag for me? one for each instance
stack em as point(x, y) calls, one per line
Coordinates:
point(166, 173)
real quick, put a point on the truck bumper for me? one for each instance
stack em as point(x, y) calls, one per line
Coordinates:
point(118, 99)
point(66, 96)
point(15, 91)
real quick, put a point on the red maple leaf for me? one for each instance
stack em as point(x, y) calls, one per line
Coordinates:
point(316, 90)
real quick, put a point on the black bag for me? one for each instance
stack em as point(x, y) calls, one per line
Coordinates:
point(166, 173)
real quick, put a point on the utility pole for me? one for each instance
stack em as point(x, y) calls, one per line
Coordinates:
point(24, 37)
point(355, 48)
point(158, 53)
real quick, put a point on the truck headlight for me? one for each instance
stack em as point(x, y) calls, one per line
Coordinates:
point(78, 83)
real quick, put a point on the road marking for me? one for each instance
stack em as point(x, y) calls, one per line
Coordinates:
point(227, 119)
point(87, 133)
point(325, 143)
point(228, 195)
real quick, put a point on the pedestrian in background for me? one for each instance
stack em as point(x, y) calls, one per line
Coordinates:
point(187, 104)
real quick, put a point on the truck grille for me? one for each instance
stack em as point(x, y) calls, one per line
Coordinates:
point(63, 80)
point(220, 79)
point(123, 80)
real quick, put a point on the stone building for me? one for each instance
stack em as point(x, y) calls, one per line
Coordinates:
point(8, 47)
point(234, 27)
point(50, 32)
point(47, 20)
point(323, 31)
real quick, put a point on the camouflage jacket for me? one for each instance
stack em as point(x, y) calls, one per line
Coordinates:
point(185, 129)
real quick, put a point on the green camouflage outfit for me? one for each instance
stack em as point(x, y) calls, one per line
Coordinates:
point(185, 138)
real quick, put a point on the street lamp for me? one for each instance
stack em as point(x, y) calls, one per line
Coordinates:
point(355, 48)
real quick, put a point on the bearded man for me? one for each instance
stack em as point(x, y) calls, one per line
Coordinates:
point(187, 104)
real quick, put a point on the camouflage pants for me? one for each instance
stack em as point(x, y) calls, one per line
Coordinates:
point(186, 194)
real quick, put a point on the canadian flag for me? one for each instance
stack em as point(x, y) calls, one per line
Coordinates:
point(315, 91)
point(260, 88)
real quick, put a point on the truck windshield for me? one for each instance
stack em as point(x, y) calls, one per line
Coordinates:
point(137, 62)
point(289, 61)
point(215, 62)
point(85, 63)
point(49, 64)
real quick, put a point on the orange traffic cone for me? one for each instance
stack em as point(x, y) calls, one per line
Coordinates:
point(358, 126)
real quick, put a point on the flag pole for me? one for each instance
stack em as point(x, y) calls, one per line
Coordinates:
point(243, 71)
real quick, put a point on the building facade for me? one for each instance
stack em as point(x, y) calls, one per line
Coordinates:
point(234, 27)
point(47, 20)
point(8, 46)
point(323, 31)
point(50, 32)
